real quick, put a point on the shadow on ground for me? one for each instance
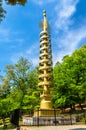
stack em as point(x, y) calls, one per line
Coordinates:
point(78, 129)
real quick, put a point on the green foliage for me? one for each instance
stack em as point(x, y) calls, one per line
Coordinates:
point(18, 74)
point(70, 79)
point(31, 100)
point(19, 87)
point(9, 2)
point(14, 2)
point(2, 11)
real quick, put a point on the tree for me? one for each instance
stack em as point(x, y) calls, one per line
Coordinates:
point(31, 100)
point(18, 78)
point(18, 90)
point(5, 101)
point(23, 87)
point(10, 2)
point(2, 11)
point(79, 73)
point(70, 79)
point(62, 82)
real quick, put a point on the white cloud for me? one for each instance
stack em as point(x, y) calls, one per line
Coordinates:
point(64, 10)
point(32, 49)
point(31, 54)
point(69, 43)
point(15, 57)
point(7, 36)
point(66, 39)
point(4, 33)
point(35, 61)
point(42, 2)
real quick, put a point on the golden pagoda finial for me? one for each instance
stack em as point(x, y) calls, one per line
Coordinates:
point(44, 23)
point(45, 65)
point(44, 13)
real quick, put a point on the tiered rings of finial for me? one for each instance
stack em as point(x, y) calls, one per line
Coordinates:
point(45, 61)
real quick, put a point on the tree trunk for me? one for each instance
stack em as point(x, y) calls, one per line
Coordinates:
point(14, 119)
point(81, 106)
point(4, 123)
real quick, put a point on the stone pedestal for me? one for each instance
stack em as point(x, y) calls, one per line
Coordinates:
point(44, 113)
point(45, 101)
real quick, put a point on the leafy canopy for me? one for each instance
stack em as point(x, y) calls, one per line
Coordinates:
point(9, 2)
point(70, 79)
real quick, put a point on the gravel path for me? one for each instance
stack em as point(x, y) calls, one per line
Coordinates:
point(69, 127)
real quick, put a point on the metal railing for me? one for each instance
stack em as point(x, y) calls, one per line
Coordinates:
point(64, 118)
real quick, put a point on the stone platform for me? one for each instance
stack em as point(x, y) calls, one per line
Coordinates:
point(45, 121)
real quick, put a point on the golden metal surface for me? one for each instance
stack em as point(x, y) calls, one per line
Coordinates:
point(44, 23)
point(45, 66)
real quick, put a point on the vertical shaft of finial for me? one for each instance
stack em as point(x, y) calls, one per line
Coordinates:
point(45, 22)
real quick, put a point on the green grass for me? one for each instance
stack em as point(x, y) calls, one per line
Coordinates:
point(9, 125)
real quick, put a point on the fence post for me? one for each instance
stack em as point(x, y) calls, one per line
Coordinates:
point(38, 118)
point(70, 118)
point(55, 116)
point(85, 117)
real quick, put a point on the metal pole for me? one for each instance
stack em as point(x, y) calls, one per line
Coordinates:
point(55, 116)
point(70, 118)
point(38, 118)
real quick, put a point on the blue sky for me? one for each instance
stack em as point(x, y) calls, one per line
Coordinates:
point(20, 31)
